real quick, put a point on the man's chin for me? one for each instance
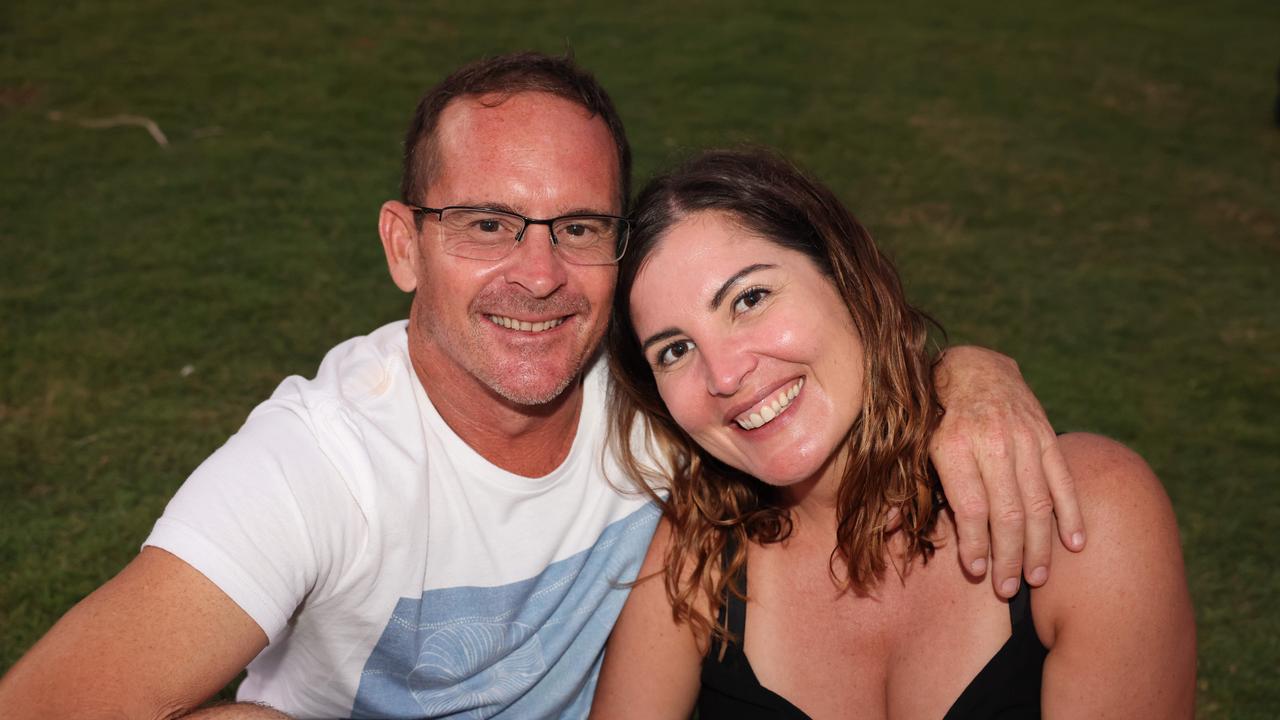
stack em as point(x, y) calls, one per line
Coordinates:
point(533, 387)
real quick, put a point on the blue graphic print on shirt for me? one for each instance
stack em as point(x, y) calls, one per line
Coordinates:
point(528, 649)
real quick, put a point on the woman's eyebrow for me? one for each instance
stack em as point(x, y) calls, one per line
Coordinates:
point(658, 337)
point(728, 284)
point(716, 300)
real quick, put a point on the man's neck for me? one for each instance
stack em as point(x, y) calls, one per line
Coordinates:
point(528, 440)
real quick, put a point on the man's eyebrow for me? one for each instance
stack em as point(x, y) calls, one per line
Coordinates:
point(504, 207)
point(658, 337)
point(586, 211)
point(728, 284)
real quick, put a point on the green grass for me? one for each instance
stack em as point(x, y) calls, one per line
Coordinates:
point(1091, 188)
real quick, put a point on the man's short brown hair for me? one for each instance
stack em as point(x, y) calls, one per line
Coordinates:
point(507, 75)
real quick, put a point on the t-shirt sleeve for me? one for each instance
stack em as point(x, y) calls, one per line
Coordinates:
point(239, 521)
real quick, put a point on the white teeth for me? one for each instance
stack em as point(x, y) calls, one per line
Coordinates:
point(513, 324)
point(770, 408)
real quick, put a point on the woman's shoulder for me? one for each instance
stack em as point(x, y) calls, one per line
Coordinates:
point(1117, 616)
point(1132, 553)
point(1102, 467)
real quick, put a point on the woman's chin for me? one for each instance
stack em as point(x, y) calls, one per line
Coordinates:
point(799, 471)
point(782, 477)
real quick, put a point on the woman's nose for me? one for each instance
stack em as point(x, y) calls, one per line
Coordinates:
point(727, 366)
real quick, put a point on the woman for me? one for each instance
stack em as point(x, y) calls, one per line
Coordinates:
point(768, 344)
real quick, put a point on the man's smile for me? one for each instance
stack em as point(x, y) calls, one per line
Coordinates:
point(524, 325)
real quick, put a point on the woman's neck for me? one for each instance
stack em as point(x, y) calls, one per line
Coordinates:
point(814, 502)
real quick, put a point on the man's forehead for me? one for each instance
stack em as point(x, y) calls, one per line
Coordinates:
point(536, 137)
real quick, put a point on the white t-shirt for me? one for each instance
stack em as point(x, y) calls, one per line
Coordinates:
point(395, 571)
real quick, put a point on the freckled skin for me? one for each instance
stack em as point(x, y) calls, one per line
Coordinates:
point(798, 327)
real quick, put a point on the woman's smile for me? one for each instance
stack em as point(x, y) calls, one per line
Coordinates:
point(767, 410)
point(753, 351)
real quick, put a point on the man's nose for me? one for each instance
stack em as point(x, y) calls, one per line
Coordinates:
point(535, 265)
point(727, 365)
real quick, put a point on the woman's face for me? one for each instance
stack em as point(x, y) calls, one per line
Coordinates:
point(753, 350)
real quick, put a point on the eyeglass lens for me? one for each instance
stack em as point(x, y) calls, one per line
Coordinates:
point(490, 235)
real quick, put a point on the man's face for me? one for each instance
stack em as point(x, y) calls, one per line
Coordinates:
point(540, 156)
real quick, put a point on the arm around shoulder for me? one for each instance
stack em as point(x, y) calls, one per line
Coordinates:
point(651, 664)
point(1117, 617)
point(155, 641)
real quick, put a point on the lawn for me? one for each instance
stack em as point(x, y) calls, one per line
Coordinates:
point(1092, 188)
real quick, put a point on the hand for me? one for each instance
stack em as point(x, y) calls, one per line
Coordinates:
point(999, 463)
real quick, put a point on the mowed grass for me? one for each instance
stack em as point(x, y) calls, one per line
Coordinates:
point(1092, 189)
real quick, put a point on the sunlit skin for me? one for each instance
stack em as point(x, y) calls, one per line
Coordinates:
point(730, 320)
point(539, 156)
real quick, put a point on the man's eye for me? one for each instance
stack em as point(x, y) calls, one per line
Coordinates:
point(585, 228)
point(489, 225)
point(750, 298)
point(674, 352)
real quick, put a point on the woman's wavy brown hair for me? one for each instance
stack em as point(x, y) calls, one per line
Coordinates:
point(888, 484)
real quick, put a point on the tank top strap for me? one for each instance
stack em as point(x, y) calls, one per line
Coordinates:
point(737, 607)
point(731, 606)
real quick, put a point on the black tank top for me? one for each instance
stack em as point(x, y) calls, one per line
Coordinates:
point(1007, 687)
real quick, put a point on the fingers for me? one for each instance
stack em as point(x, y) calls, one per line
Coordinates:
point(986, 494)
point(961, 483)
point(1062, 487)
point(1002, 472)
point(996, 459)
point(1037, 508)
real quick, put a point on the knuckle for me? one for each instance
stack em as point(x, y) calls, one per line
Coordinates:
point(1039, 507)
point(1013, 517)
point(971, 509)
point(1008, 362)
point(951, 443)
point(1026, 437)
point(993, 444)
point(1064, 482)
point(1011, 565)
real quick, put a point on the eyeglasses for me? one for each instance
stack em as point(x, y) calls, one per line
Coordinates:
point(485, 234)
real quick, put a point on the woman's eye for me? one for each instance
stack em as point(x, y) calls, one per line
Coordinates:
point(749, 299)
point(673, 352)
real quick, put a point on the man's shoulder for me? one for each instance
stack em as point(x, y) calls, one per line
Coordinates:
point(363, 389)
point(363, 370)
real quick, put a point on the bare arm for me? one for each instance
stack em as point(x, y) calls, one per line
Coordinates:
point(651, 664)
point(1000, 464)
point(1117, 617)
point(155, 641)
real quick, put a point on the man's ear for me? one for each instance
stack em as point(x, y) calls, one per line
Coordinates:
point(399, 241)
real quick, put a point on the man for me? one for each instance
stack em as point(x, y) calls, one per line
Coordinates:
point(429, 527)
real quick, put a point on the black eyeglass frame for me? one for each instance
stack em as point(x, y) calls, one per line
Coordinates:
point(619, 251)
